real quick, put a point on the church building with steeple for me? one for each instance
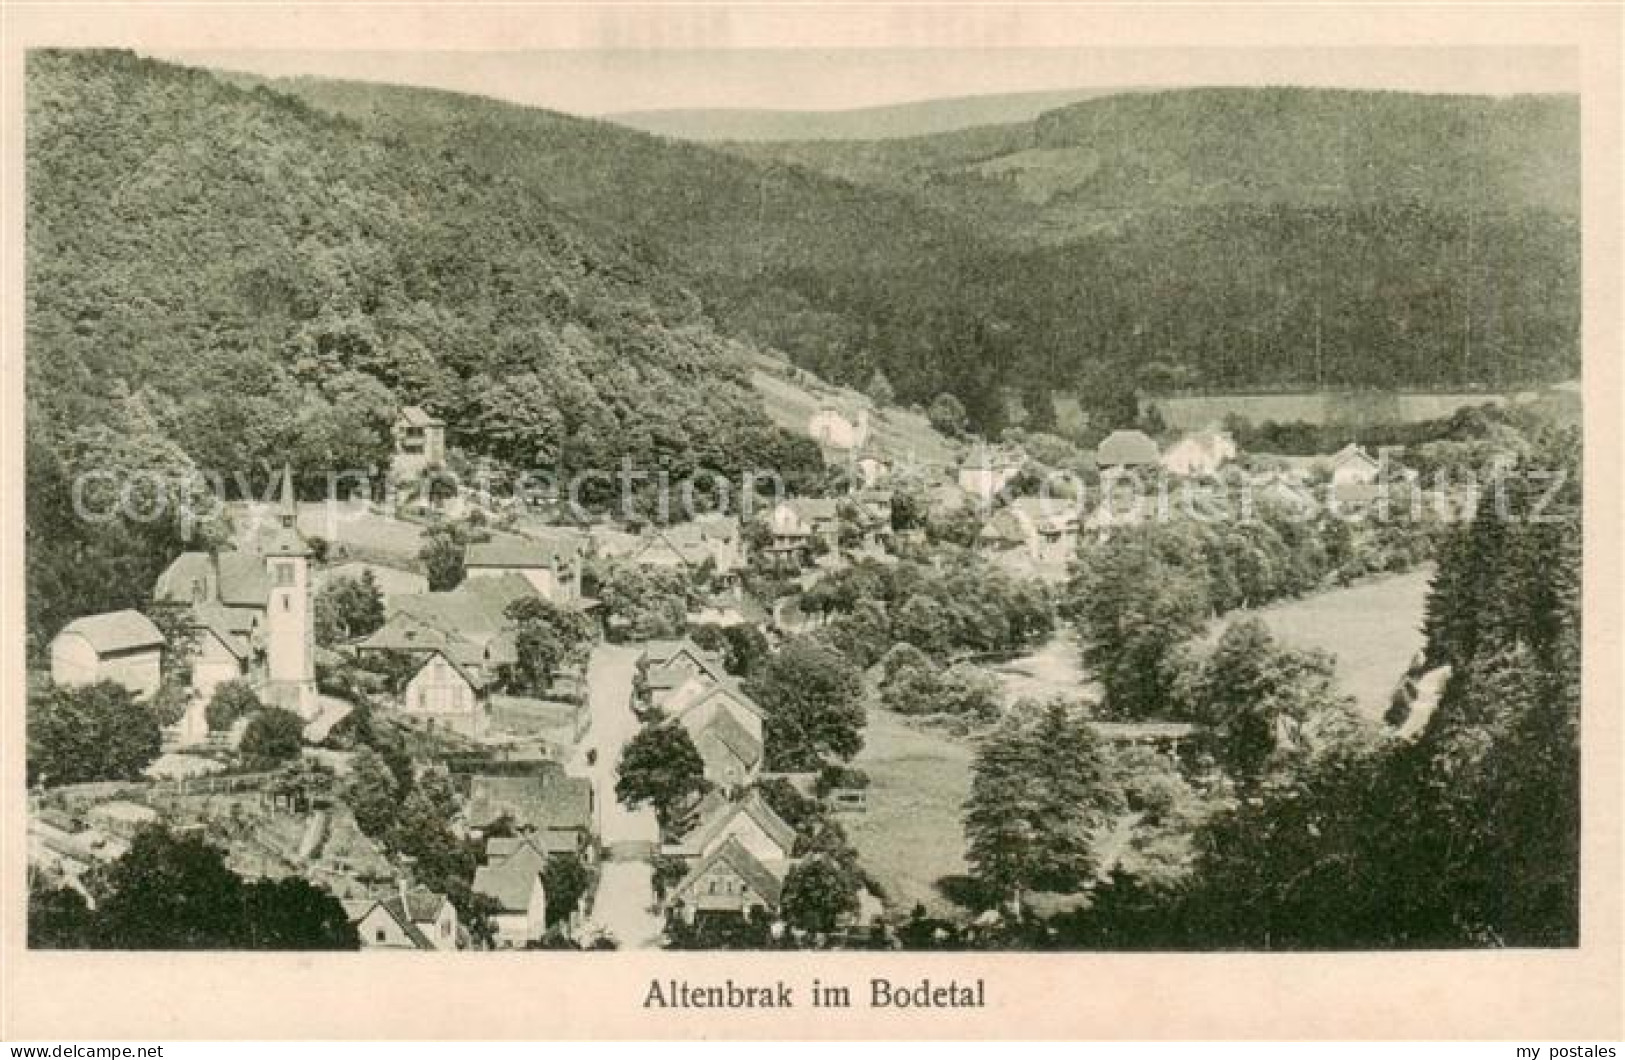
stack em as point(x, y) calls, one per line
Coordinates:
point(253, 613)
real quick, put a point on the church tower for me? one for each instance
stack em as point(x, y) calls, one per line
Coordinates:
point(290, 637)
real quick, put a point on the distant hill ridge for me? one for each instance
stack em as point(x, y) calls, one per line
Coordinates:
point(922, 118)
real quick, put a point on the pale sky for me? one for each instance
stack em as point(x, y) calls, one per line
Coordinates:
point(607, 82)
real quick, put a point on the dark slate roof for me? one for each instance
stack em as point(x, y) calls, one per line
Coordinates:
point(238, 578)
point(546, 802)
point(734, 736)
point(409, 633)
point(233, 626)
point(471, 672)
point(117, 631)
point(478, 605)
point(1127, 449)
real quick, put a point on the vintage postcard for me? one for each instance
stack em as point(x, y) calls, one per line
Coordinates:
point(776, 521)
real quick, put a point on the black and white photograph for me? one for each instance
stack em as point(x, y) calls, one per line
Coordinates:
point(1057, 501)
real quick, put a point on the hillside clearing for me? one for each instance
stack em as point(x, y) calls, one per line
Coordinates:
point(911, 836)
point(1374, 628)
point(903, 436)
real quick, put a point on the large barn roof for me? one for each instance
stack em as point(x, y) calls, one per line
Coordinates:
point(117, 631)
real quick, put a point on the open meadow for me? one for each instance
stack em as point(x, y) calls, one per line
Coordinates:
point(911, 835)
point(1373, 627)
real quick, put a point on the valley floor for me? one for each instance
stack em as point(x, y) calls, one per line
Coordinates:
point(1373, 627)
point(911, 838)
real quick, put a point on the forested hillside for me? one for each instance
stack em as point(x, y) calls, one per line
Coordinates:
point(1198, 239)
point(224, 278)
point(1228, 238)
point(888, 122)
point(1080, 167)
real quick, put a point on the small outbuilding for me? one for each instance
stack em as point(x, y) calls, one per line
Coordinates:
point(121, 646)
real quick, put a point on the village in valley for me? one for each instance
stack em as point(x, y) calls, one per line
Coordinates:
point(546, 686)
point(460, 526)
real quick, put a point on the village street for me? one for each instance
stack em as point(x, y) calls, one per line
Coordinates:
point(625, 900)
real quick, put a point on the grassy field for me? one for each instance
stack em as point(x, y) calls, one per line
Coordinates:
point(1374, 628)
point(903, 436)
point(911, 836)
point(1055, 669)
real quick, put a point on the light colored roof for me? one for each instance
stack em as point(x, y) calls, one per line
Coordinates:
point(1050, 513)
point(744, 864)
point(1143, 730)
point(391, 581)
point(1353, 452)
point(717, 815)
point(128, 812)
point(417, 416)
point(1126, 449)
point(662, 652)
point(814, 509)
point(689, 551)
point(509, 882)
point(1001, 457)
point(524, 554)
point(116, 631)
point(725, 686)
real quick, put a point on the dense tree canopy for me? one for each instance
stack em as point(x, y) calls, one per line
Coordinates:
point(662, 767)
point(89, 732)
point(1041, 791)
point(814, 714)
point(177, 893)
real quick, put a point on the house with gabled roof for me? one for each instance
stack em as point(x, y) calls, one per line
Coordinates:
point(1353, 466)
point(985, 470)
point(120, 646)
point(552, 566)
point(667, 665)
point(414, 918)
point(729, 880)
point(468, 626)
point(871, 467)
point(1127, 450)
point(420, 442)
point(702, 697)
point(748, 820)
point(731, 753)
point(445, 694)
point(554, 810)
point(796, 522)
point(512, 877)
